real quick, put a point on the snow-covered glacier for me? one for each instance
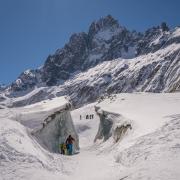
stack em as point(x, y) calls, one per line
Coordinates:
point(24, 133)
point(140, 142)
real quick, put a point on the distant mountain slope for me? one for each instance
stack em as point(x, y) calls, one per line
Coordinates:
point(85, 68)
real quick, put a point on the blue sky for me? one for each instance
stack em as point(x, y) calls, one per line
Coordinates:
point(30, 30)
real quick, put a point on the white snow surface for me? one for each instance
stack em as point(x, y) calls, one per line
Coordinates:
point(146, 110)
point(86, 128)
point(176, 33)
point(151, 150)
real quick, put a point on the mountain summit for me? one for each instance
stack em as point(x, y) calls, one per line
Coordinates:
point(148, 61)
point(102, 24)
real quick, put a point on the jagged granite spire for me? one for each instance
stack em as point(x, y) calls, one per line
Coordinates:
point(103, 23)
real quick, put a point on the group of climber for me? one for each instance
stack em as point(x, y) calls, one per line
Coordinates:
point(91, 116)
point(67, 147)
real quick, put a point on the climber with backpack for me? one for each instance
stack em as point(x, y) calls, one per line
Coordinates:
point(69, 144)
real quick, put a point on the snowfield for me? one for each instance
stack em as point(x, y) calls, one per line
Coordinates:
point(150, 150)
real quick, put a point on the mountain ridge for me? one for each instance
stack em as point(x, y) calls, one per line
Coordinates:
point(105, 40)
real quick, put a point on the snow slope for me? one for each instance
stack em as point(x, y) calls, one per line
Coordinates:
point(147, 111)
point(151, 149)
point(86, 128)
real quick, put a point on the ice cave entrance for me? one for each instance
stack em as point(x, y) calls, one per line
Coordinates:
point(55, 130)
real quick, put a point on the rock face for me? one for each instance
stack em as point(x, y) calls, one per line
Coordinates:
point(84, 50)
point(105, 41)
point(26, 81)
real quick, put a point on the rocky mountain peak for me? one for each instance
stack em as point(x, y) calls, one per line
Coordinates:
point(102, 24)
point(105, 40)
point(78, 37)
point(157, 30)
point(26, 80)
point(164, 26)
